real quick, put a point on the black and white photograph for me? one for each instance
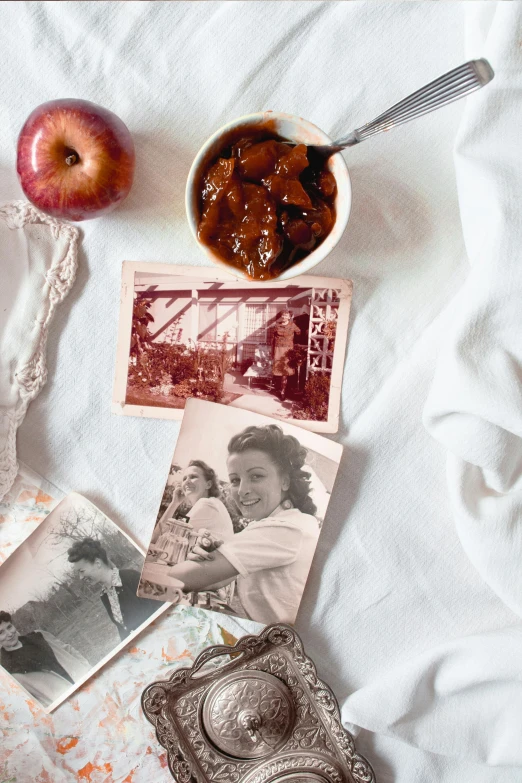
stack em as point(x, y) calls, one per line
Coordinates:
point(68, 601)
point(243, 507)
point(275, 348)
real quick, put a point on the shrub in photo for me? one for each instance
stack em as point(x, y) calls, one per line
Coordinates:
point(314, 403)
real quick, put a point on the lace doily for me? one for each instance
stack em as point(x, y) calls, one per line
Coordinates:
point(31, 374)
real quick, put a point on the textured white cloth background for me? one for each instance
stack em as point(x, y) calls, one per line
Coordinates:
point(440, 698)
point(412, 612)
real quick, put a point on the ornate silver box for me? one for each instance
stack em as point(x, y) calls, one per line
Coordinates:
point(262, 717)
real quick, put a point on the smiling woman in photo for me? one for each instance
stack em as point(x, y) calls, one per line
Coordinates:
point(199, 488)
point(272, 556)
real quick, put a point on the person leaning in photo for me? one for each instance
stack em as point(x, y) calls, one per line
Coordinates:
point(272, 556)
point(199, 488)
point(45, 666)
point(118, 586)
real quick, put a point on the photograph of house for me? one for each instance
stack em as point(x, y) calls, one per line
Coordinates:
point(273, 347)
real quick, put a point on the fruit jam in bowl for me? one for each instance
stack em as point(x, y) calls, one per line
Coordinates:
point(260, 204)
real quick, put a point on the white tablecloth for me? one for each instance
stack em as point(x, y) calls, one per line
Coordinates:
point(401, 606)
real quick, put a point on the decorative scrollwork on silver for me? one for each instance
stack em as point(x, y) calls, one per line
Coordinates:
point(362, 771)
point(280, 635)
point(155, 698)
point(316, 747)
point(298, 763)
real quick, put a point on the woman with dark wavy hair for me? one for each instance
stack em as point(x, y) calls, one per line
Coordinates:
point(272, 556)
point(199, 489)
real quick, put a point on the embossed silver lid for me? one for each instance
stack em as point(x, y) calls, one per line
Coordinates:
point(248, 714)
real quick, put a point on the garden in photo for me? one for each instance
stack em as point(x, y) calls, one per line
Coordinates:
point(268, 348)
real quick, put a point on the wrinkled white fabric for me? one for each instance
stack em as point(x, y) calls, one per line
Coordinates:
point(464, 697)
point(391, 586)
point(38, 263)
point(475, 405)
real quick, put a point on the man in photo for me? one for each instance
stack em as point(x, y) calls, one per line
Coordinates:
point(302, 322)
point(271, 557)
point(285, 331)
point(118, 586)
point(41, 663)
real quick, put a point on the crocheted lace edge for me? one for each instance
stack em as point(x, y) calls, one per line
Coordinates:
point(31, 376)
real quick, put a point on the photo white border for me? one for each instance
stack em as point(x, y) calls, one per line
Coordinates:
point(224, 417)
point(214, 275)
point(77, 685)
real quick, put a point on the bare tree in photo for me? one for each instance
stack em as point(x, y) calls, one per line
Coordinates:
point(76, 524)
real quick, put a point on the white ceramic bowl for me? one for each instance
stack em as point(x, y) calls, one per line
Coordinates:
point(294, 129)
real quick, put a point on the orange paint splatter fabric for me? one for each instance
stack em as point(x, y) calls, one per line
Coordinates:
point(99, 735)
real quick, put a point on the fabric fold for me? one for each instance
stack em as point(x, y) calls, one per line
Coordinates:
point(475, 405)
point(460, 699)
point(463, 698)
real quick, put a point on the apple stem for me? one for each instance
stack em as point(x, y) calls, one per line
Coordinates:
point(72, 159)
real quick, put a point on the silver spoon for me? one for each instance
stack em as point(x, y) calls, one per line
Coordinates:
point(450, 87)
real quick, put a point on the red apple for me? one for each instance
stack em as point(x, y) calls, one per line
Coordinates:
point(75, 160)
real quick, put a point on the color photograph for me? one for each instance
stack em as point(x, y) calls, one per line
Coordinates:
point(273, 348)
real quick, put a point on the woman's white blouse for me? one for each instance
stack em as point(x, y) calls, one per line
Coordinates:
point(273, 557)
point(211, 514)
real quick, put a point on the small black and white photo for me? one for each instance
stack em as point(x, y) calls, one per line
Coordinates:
point(275, 348)
point(68, 601)
point(241, 514)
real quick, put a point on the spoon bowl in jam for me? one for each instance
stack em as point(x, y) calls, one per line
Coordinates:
point(261, 204)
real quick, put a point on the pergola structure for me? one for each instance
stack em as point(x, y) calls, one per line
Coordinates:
point(324, 310)
point(241, 317)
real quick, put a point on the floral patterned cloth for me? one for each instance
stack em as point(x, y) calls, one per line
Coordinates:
point(100, 734)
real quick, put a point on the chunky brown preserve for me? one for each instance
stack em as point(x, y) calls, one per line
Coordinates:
point(264, 203)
